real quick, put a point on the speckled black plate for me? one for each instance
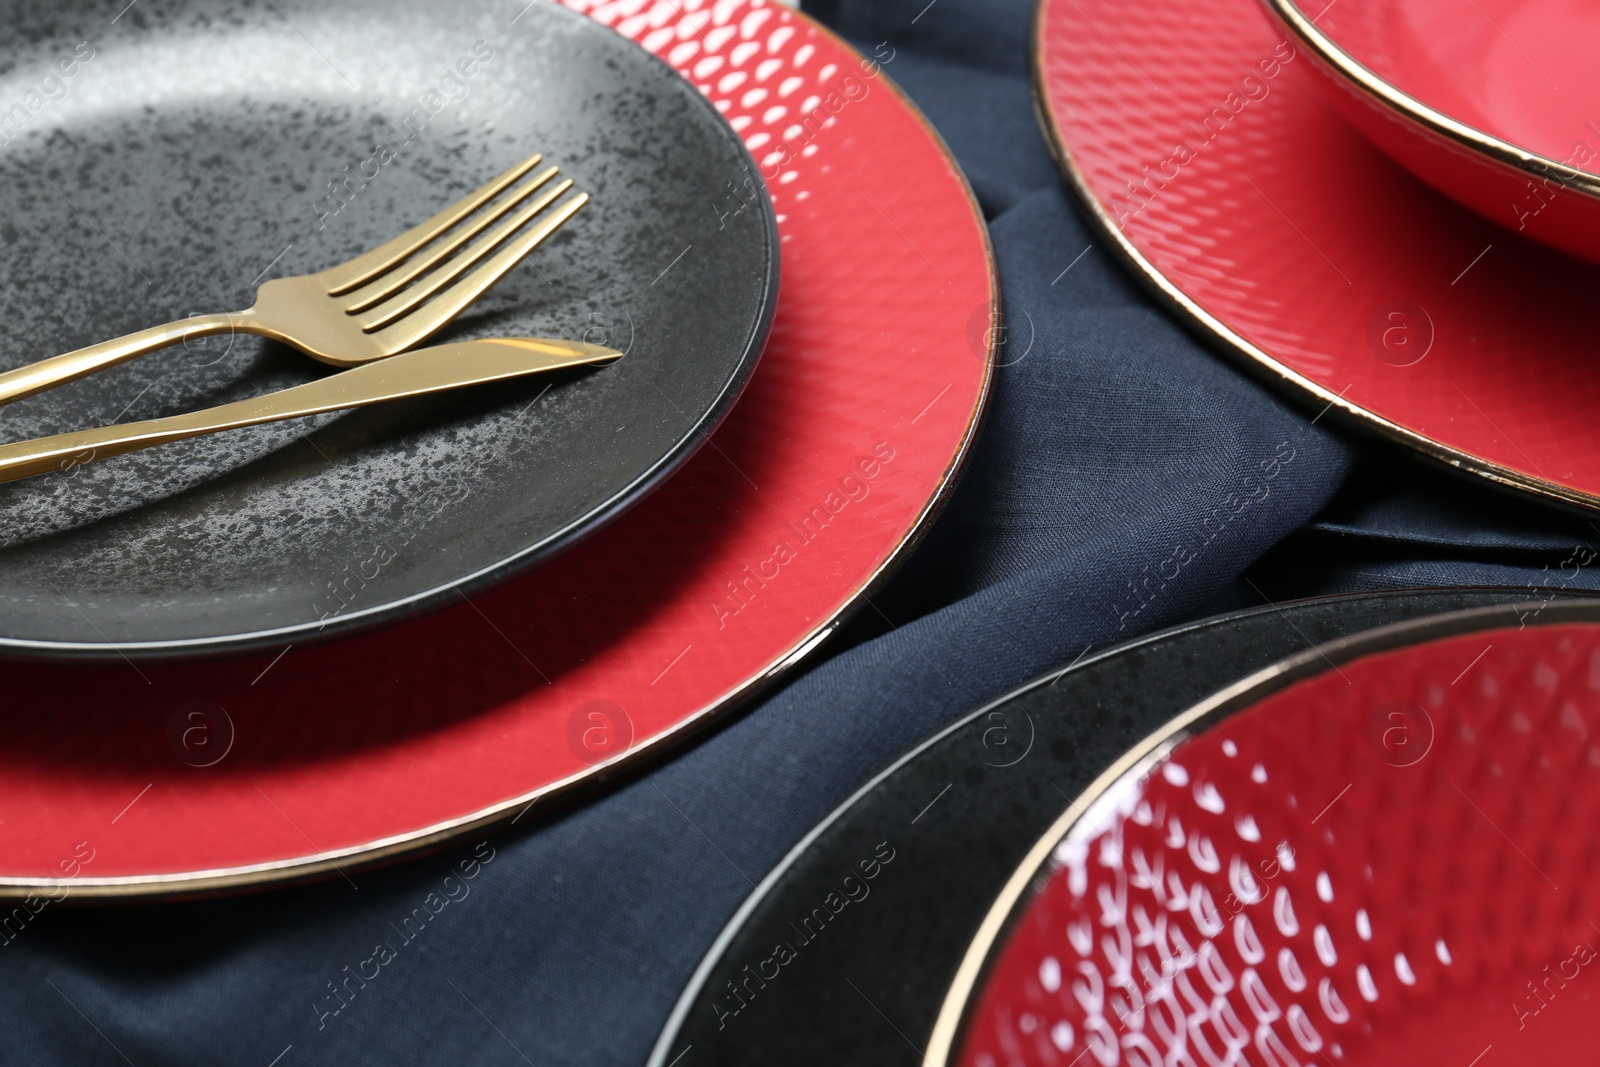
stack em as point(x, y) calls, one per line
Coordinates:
point(162, 159)
point(955, 817)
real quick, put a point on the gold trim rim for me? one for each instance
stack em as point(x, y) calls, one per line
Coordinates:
point(988, 940)
point(296, 870)
point(1288, 15)
point(1253, 358)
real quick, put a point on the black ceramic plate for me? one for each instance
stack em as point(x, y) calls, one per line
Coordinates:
point(162, 159)
point(954, 818)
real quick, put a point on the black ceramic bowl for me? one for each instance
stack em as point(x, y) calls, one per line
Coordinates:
point(926, 846)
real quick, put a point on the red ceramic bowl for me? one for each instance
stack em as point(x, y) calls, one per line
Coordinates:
point(1381, 852)
point(1495, 103)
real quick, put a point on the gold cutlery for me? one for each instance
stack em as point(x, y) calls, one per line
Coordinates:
point(372, 307)
point(418, 373)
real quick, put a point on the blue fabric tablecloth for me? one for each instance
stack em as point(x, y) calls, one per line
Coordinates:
point(1115, 443)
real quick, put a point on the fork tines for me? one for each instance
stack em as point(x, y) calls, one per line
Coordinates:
point(424, 277)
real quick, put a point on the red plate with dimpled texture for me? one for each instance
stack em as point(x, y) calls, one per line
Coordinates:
point(208, 776)
point(1382, 856)
point(1201, 142)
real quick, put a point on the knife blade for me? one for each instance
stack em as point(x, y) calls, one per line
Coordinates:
point(418, 373)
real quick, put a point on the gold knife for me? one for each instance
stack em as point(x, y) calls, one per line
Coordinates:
point(417, 373)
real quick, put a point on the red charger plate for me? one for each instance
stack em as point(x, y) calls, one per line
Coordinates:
point(1200, 142)
point(1376, 853)
point(200, 777)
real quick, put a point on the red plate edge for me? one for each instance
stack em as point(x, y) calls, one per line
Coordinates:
point(1230, 343)
point(84, 884)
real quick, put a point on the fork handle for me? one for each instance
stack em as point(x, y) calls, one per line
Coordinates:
point(49, 373)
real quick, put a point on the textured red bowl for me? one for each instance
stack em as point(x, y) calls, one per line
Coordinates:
point(1380, 853)
point(1492, 102)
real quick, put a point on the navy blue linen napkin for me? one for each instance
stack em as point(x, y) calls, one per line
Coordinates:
point(1126, 479)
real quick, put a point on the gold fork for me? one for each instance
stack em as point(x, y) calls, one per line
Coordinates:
point(376, 305)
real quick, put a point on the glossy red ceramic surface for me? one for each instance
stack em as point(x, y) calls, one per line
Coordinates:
point(1522, 70)
point(231, 772)
point(1201, 141)
point(1390, 862)
point(1494, 103)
